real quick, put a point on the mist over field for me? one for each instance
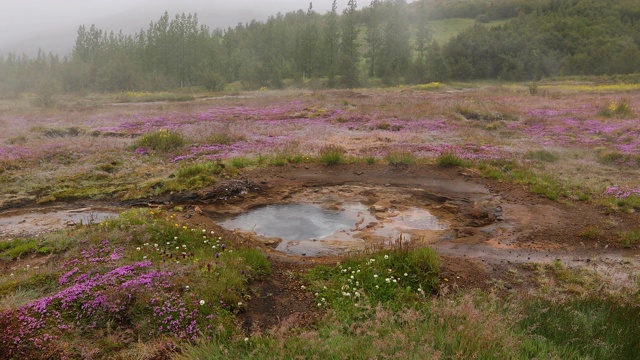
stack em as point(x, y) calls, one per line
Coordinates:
point(370, 179)
point(26, 26)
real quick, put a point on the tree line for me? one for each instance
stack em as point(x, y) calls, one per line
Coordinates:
point(388, 42)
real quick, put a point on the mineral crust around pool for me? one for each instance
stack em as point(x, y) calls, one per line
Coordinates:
point(335, 220)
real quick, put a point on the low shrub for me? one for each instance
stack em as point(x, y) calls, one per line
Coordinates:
point(160, 141)
point(616, 109)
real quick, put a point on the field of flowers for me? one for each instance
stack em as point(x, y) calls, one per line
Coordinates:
point(146, 285)
point(108, 150)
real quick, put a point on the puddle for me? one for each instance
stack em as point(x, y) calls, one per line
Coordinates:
point(34, 223)
point(331, 228)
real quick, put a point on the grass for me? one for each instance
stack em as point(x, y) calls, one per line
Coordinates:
point(400, 158)
point(450, 160)
point(591, 233)
point(160, 141)
point(17, 248)
point(132, 96)
point(564, 314)
point(139, 279)
point(542, 155)
point(592, 327)
point(616, 109)
point(331, 155)
point(630, 238)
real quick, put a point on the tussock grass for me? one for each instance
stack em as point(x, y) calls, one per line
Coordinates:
point(450, 160)
point(399, 158)
point(542, 155)
point(331, 155)
point(630, 238)
point(160, 141)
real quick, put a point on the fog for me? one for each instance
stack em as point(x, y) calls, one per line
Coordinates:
point(27, 25)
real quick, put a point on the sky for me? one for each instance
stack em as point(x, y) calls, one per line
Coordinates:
point(54, 22)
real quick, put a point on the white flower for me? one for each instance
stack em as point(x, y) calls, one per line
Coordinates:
point(201, 302)
point(239, 303)
point(405, 274)
point(138, 248)
point(204, 231)
point(375, 276)
point(144, 257)
point(387, 280)
point(175, 238)
point(386, 257)
point(246, 339)
point(187, 287)
point(302, 287)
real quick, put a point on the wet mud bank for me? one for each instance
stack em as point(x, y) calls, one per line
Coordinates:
point(470, 217)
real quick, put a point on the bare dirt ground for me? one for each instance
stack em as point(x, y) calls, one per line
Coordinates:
point(492, 227)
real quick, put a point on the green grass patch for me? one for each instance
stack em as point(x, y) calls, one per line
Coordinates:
point(241, 162)
point(545, 185)
point(331, 155)
point(17, 248)
point(450, 160)
point(394, 275)
point(542, 155)
point(628, 204)
point(195, 176)
point(399, 158)
point(591, 233)
point(593, 328)
point(160, 141)
point(630, 238)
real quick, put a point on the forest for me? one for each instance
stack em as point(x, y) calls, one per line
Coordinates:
point(386, 43)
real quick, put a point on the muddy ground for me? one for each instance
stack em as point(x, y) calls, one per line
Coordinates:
point(492, 227)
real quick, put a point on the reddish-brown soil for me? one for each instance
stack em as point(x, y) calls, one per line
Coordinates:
point(494, 226)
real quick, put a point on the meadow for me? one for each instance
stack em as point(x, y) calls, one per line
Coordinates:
point(153, 283)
